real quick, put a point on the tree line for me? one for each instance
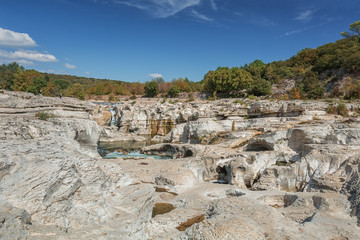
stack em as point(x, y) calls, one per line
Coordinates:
point(16, 78)
point(316, 72)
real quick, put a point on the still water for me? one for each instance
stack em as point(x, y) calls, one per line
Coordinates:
point(128, 149)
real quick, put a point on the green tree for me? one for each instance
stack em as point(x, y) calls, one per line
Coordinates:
point(151, 89)
point(241, 79)
point(354, 32)
point(38, 83)
point(312, 86)
point(306, 57)
point(23, 80)
point(7, 75)
point(352, 63)
point(76, 90)
point(182, 84)
point(261, 87)
point(62, 84)
point(256, 68)
point(227, 81)
point(158, 80)
point(174, 91)
point(218, 80)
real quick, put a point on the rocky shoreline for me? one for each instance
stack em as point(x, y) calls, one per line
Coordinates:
point(289, 170)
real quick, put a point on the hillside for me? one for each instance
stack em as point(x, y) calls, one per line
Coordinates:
point(331, 70)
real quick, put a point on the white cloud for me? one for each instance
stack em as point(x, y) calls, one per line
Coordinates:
point(21, 62)
point(160, 8)
point(10, 38)
point(155, 75)
point(25, 62)
point(69, 66)
point(87, 73)
point(201, 16)
point(213, 5)
point(306, 15)
point(25, 56)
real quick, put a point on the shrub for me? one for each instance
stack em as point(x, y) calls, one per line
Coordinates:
point(252, 97)
point(312, 86)
point(294, 93)
point(261, 87)
point(151, 89)
point(164, 100)
point(340, 109)
point(190, 98)
point(174, 91)
point(316, 93)
point(44, 115)
point(76, 91)
point(111, 97)
point(133, 97)
point(352, 89)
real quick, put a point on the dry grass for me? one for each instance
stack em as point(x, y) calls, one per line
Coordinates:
point(158, 189)
point(147, 182)
point(188, 223)
point(162, 208)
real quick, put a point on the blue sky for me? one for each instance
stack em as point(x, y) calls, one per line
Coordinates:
point(136, 40)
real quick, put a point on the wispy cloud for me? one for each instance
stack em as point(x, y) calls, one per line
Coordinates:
point(160, 8)
point(300, 30)
point(10, 38)
point(26, 56)
point(213, 5)
point(253, 18)
point(295, 31)
point(261, 21)
point(201, 16)
point(156, 75)
point(69, 66)
point(135, 5)
point(306, 15)
point(87, 73)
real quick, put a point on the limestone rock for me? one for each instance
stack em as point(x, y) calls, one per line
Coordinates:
point(52, 170)
point(13, 222)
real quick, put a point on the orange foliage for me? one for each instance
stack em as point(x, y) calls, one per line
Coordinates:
point(295, 94)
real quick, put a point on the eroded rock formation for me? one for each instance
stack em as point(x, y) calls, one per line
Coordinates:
point(50, 170)
point(237, 170)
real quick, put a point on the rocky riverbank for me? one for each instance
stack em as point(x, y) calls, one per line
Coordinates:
point(239, 169)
